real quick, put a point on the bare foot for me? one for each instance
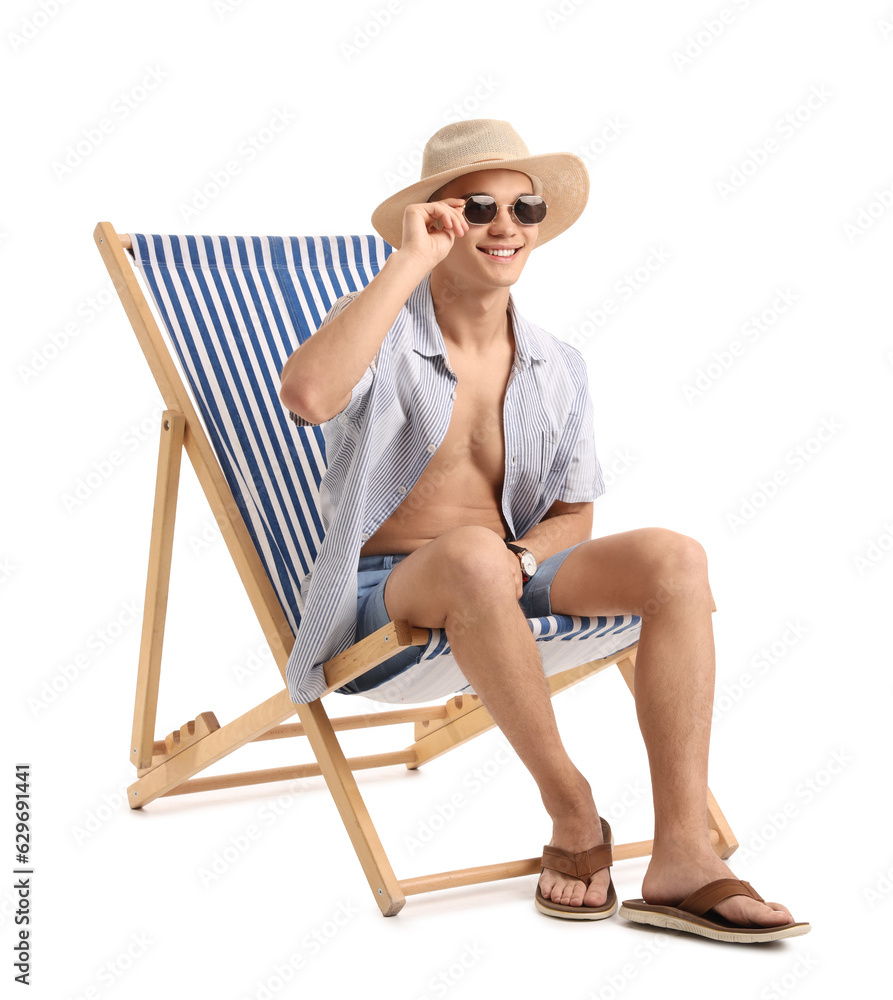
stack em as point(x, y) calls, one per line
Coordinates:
point(576, 833)
point(674, 874)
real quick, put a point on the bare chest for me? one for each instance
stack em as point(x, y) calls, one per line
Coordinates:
point(475, 439)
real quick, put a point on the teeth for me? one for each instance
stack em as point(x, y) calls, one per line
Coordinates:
point(500, 253)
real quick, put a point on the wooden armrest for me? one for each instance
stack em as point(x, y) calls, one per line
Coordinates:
point(369, 652)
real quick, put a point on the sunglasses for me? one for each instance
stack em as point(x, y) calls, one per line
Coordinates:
point(528, 210)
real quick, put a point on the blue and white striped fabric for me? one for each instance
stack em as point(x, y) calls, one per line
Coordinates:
point(236, 308)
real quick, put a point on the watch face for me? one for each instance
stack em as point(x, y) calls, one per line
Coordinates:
point(528, 563)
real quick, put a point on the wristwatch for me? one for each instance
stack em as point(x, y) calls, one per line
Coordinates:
point(525, 557)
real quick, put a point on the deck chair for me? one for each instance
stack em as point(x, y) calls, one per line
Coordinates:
point(233, 309)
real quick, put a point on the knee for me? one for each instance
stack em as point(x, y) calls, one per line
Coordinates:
point(474, 564)
point(677, 568)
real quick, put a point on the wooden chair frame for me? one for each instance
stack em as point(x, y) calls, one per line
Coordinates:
point(167, 767)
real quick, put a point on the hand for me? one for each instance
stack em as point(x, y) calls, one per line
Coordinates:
point(516, 572)
point(430, 229)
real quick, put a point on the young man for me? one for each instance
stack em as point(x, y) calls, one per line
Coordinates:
point(461, 447)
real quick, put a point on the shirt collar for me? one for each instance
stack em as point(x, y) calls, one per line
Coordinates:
point(427, 338)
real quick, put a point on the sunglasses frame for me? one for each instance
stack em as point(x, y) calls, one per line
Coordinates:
point(511, 208)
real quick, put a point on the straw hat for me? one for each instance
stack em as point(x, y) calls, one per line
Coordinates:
point(486, 144)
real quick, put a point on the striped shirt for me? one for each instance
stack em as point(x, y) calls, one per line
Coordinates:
point(381, 443)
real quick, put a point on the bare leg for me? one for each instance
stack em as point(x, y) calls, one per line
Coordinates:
point(463, 583)
point(662, 577)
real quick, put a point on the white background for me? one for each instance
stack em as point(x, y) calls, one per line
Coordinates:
point(123, 903)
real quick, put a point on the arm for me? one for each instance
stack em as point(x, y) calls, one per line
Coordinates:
point(318, 377)
point(564, 525)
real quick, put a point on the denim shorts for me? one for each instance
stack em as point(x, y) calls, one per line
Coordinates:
point(372, 575)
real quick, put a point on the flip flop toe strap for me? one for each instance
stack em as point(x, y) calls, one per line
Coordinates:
point(705, 898)
point(581, 865)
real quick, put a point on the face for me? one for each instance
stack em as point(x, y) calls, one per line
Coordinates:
point(495, 254)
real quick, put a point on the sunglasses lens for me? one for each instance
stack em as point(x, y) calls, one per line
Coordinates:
point(530, 210)
point(480, 209)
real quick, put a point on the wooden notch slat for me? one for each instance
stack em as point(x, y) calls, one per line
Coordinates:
point(344, 722)
point(263, 776)
point(170, 773)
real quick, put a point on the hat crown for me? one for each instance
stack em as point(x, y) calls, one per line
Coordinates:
point(466, 143)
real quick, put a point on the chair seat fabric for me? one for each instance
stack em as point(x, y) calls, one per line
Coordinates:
point(235, 308)
point(564, 642)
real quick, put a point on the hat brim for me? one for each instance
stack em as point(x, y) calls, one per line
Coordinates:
point(563, 182)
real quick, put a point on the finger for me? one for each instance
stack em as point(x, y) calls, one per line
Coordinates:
point(449, 213)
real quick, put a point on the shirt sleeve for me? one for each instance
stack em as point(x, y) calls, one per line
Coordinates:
point(361, 389)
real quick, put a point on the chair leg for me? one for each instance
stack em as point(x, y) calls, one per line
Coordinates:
point(167, 481)
point(343, 787)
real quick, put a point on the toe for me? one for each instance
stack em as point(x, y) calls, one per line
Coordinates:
point(751, 913)
point(597, 893)
point(559, 889)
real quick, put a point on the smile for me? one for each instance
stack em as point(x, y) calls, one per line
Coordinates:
point(499, 253)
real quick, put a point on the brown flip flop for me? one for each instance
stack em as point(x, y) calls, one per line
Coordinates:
point(582, 865)
point(690, 916)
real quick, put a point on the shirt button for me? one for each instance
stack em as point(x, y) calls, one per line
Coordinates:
point(453, 394)
point(401, 490)
point(432, 448)
point(364, 538)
